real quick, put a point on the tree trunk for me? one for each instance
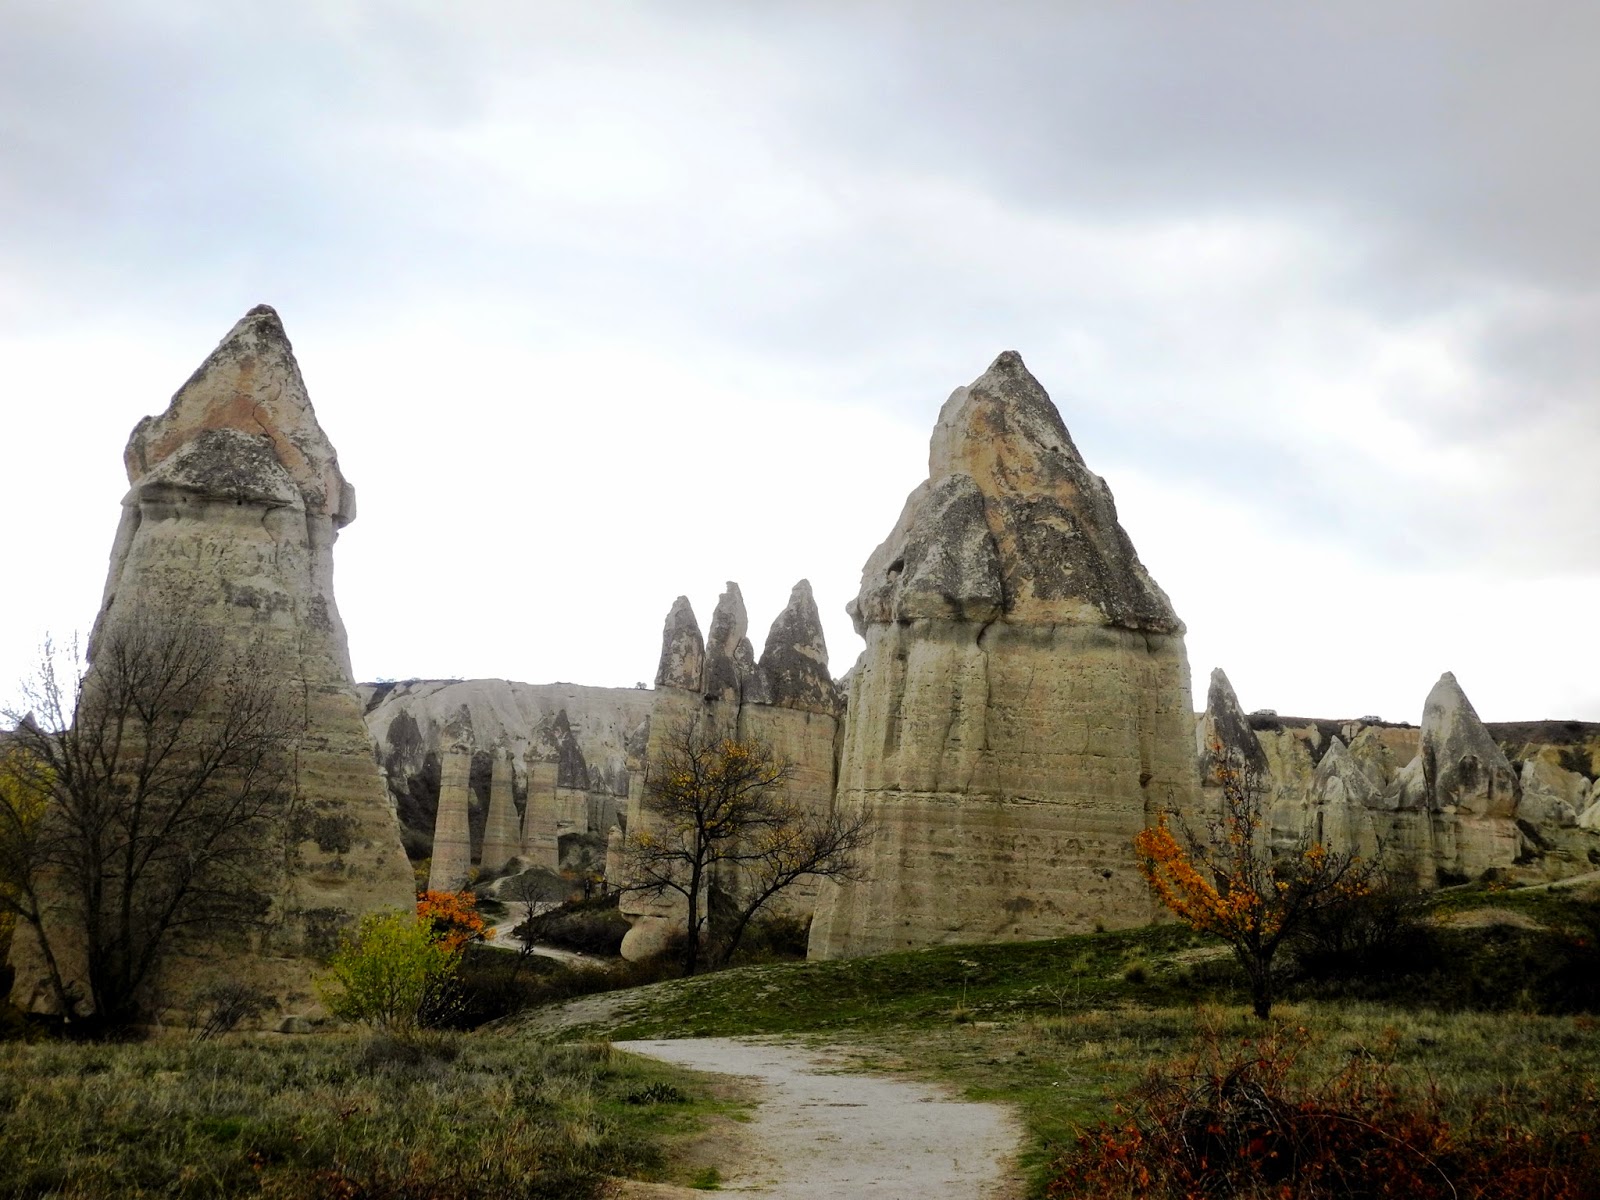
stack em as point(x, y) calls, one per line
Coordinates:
point(1261, 989)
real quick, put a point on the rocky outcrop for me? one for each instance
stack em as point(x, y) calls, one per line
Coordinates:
point(683, 650)
point(730, 659)
point(502, 832)
point(570, 752)
point(1022, 708)
point(234, 503)
point(1446, 801)
point(1227, 750)
point(1462, 767)
point(794, 662)
point(1343, 797)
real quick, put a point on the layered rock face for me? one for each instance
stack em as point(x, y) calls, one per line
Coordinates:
point(1442, 802)
point(235, 501)
point(1022, 707)
point(560, 756)
point(785, 699)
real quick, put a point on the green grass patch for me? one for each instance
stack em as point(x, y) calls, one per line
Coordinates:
point(337, 1115)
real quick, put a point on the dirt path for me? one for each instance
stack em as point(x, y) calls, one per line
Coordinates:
point(842, 1136)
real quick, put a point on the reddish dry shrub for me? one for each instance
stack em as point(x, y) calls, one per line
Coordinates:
point(1232, 1122)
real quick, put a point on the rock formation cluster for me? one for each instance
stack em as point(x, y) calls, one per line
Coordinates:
point(1438, 802)
point(1020, 712)
point(786, 700)
point(234, 502)
point(549, 767)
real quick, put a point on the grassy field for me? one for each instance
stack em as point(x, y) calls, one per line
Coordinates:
point(339, 1116)
point(1066, 1029)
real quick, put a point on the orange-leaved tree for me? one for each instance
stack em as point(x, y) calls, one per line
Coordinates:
point(1229, 882)
point(454, 918)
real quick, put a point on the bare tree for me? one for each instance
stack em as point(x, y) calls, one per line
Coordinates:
point(717, 807)
point(142, 798)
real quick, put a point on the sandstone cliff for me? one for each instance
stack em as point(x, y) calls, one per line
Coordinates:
point(1022, 707)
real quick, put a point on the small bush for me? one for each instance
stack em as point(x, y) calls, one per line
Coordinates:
point(1379, 934)
point(656, 1093)
point(396, 974)
point(774, 938)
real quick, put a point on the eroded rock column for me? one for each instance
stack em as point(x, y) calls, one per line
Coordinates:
point(1022, 708)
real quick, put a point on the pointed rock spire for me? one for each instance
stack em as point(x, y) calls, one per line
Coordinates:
point(683, 650)
point(1225, 736)
point(248, 388)
point(794, 661)
point(1462, 766)
point(728, 665)
point(1010, 523)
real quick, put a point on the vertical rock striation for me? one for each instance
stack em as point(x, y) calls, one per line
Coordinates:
point(452, 830)
point(502, 833)
point(1022, 708)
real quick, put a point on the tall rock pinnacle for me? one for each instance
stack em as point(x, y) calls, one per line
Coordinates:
point(1010, 524)
point(1022, 708)
point(235, 501)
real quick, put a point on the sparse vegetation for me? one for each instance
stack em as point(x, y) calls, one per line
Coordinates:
point(336, 1116)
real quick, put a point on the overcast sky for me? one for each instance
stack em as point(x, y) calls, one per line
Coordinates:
point(606, 302)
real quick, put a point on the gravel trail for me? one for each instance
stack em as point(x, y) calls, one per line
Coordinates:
point(842, 1136)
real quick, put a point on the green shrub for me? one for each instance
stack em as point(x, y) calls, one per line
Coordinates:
point(395, 974)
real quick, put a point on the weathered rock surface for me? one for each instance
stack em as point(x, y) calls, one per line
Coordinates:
point(683, 650)
point(235, 500)
point(1446, 801)
point(1463, 767)
point(571, 752)
point(1022, 709)
point(730, 659)
point(502, 832)
point(1225, 741)
point(794, 661)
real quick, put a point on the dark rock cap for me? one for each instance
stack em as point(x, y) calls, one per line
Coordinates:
point(794, 661)
point(1010, 525)
point(683, 650)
